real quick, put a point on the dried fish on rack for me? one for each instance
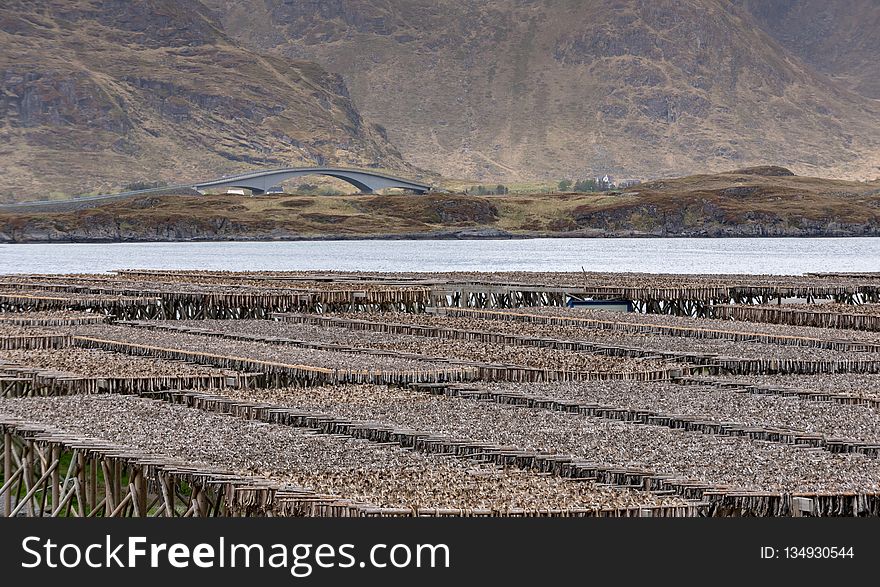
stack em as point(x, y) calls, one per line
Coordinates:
point(76, 370)
point(841, 317)
point(357, 470)
point(712, 459)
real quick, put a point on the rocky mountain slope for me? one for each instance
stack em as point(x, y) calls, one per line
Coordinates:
point(516, 90)
point(840, 38)
point(98, 93)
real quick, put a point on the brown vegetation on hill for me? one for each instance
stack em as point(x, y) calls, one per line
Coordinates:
point(764, 201)
point(102, 95)
point(514, 91)
point(95, 94)
point(840, 38)
point(749, 202)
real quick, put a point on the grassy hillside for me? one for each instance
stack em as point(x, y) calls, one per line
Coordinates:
point(727, 204)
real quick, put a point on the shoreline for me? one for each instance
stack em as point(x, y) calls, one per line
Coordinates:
point(725, 205)
point(443, 236)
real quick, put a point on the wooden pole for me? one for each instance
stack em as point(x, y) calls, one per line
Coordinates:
point(6, 488)
point(7, 471)
point(28, 498)
point(28, 462)
point(202, 502)
point(93, 483)
point(65, 500)
point(108, 485)
point(121, 506)
point(56, 477)
point(167, 495)
point(140, 493)
point(135, 499)
point(117, 481)
point(83, 492)
point(80, 499)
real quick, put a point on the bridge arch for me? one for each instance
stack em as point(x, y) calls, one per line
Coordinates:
point(364, 180)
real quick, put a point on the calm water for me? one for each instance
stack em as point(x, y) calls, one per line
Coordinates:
point(741, 255)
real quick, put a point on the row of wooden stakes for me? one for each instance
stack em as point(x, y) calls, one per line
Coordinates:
point(280, 374)
point(799, 317)
point(740, 335)
point(485, 371)
point(738, 365)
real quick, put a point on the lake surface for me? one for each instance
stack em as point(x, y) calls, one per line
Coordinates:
point(652, 255)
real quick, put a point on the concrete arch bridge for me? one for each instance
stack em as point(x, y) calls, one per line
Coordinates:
point(259, 182)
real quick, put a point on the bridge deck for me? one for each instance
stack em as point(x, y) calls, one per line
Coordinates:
point(258, 181)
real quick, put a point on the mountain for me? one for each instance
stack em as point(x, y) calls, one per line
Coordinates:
point(517, 90)
point(838, 37)
point(95, 94)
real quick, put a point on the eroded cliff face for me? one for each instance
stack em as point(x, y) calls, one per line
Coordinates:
point(95, 94)
point(644, 221)
point(840, 38)
point(511, 90)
